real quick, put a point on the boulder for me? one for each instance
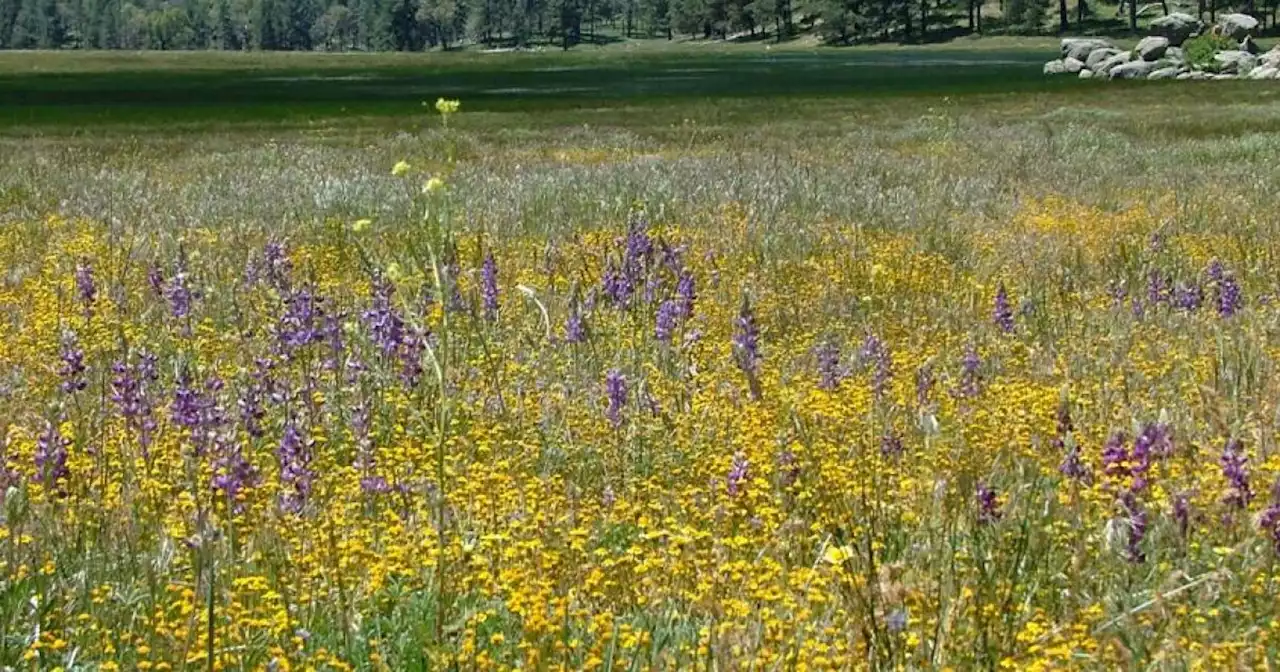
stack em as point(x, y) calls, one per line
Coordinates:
point(1264, 72)
point(1177, 27)
point(1161, 73)
point(1138, 69)
point(1194, 75)
point(1079, 48)
point(1247, 44)
point(1271, 57)
point(1233, 62)
point(1086, 74)
point(1222, 77)
point(1237, 26)
point(1119, 59)
point(1054, 67)
point(1071, 65)
point(1175, 54)
point(1097, 57)
point(1152, 48)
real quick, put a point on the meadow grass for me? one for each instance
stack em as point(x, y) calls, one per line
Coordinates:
point(915, 366)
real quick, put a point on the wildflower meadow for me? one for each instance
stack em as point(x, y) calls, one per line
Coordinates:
point(1038, 435)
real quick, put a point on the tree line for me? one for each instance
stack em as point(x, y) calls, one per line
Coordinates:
point(414, 25)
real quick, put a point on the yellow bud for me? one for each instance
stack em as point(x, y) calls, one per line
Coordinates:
point(361, 225)
point(433, 185)
point(401, 168)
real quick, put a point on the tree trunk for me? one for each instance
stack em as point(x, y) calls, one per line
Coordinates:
point(924, 20)
point(1133, 15)
point(973, 28)
point(1064, 23)
point(1081, 10)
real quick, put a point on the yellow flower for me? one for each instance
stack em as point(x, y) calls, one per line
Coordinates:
point(433, 185)
point(836, 555)
point(361, 225)
point(394, 272)
point(401, 168)
point(447, 107)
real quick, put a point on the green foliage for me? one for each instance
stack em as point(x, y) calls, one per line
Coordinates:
point(1201, 49)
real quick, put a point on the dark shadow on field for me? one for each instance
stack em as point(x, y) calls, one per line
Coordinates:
point(518, 82)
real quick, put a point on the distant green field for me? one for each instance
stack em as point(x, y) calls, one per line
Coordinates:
point(53, 89)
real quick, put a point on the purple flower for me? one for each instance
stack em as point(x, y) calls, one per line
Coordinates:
point(296, 476)
point(300, 324)
point(1157, 288)
point(489, 287)
point(1188, 296)
point(250, 404)
point(874, 354)
point(575, 327)
point(1137, 519)
point(233, 473)
point(1003, 311)
point(829, 370)
point(1115, 456)
point(382, 319)
point(891, 445)
point(129, 394)
point(86, 288)
point(51, 455)
point(988, 504)
point(665, 324)
point(1235, 469)
point(615, 386)
point(618, 287)
point(746, 339)
point(1073, 466)
point(155, 278)
point(1182, 513)
point(179, 296)
point(412, 349)
point(896, 621)
point(1269, 522)
point(687, 295)
point(277, 265)
point(739, 474)
point(73, 369)
point(1227, 294)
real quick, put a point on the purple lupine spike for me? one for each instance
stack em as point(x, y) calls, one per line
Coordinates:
point(126, 390)
point(891, 445)
point(1115, 456)
point(1073, 467)
point(924, 385)
point(489, 287)
point(739, 474)
point(300, 325)
point(250, 404)
point(179, 295)
point(1137, 520)
point(413, 347)
point(51, 455)
point(277, 265)
point(988, 504)
point(1188, 296)
point(829, 373)
point(383, 320)
point(575, 327)
point(1234, 463)
point(615, 387)
point(881, 363)
point(970, 374)
point(1157, 288)
point(1215, 271)
point(296, 476)
point(671, 256)
point(73, 368)
point(639, 250)
point(1182, 513)
point(185, 409)
point(665, 324)
point(233, 473)
point(687, 294)
point(1118, 291)
point(1156, 439)
point(155, 278)
point(451, 290)
point(746, 339)
point(1003, 312)
point(618, 287)
point(1269, 521)
point(1137, 308)
point(1227, 295)
point(86, 287)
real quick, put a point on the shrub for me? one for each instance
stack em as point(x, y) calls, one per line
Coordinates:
point(1201, 49)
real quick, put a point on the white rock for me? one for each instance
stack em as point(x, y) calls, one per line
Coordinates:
point(1237, 26)
point(1152, 48)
